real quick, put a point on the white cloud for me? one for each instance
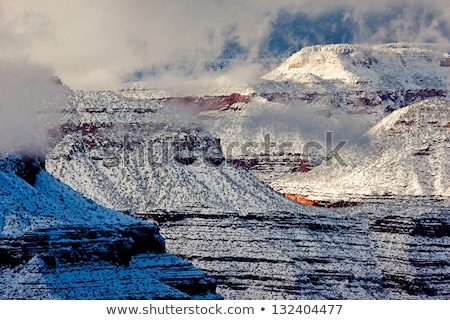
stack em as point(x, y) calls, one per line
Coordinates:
point(93, 44)
point(25, 90)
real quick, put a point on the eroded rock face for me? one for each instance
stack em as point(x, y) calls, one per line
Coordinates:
point(149, 162)
point(56, 244)
point(378, 252)
point(352, 100)
point(280, 256)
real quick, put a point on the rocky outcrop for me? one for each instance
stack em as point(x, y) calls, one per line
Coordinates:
point(165, 161)
point(146, 276)
point(56, 244)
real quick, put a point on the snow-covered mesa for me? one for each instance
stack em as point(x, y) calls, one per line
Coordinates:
point(376, 67)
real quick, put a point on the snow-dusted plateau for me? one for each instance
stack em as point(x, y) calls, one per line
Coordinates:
point(326, 178)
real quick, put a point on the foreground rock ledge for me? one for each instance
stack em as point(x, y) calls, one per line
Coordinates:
point(56, 244)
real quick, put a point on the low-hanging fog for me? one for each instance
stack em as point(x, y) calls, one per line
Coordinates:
point(29, 99)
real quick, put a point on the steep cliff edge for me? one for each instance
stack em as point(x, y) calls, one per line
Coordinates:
point(56, 244)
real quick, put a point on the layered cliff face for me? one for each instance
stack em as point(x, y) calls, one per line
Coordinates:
point(365, 252)
point(57, 244)
point(256, 243)
point(412, 249)
point(140, 156)
point(151, 156)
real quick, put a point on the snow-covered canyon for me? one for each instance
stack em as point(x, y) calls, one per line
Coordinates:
point(210, 169)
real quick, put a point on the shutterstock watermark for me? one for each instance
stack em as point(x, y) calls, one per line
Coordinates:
point(196, 151)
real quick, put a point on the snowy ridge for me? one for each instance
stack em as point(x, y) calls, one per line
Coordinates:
point(407, 155)
point(37, 202)
point(57, 244)
point(378, 67)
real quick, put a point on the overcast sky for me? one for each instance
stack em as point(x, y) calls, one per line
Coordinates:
point(94, 44)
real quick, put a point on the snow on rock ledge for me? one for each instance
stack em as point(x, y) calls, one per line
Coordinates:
point(56, 244)
point(405, 155)
point(151, 162)
point(377, 66)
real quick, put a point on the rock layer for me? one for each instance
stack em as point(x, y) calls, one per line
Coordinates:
point(377, 252)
